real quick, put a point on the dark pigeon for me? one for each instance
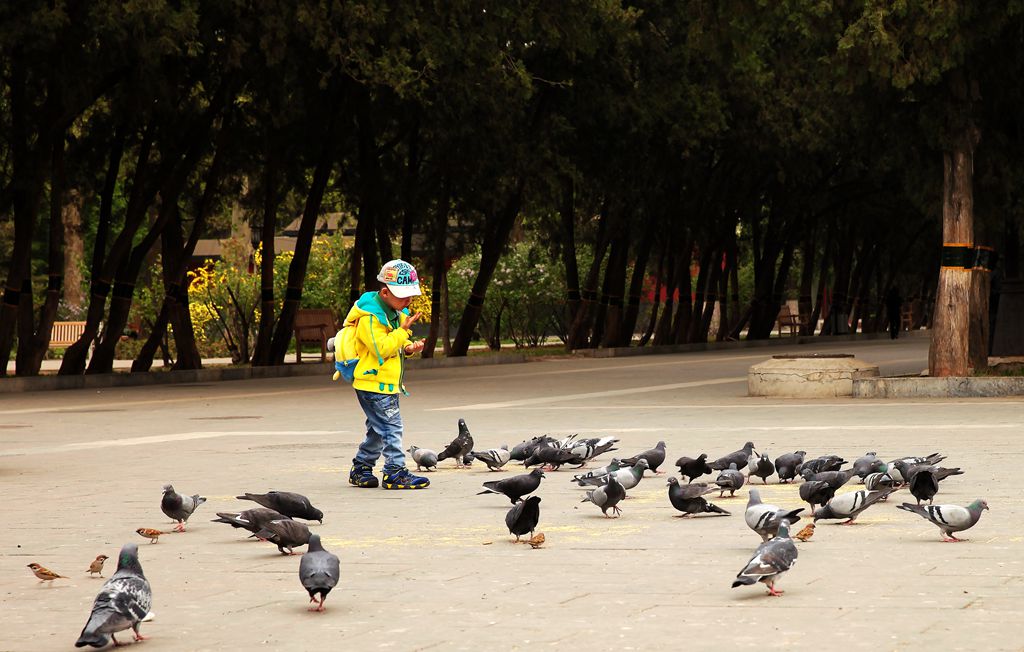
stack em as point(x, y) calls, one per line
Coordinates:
point(932, 459)
point(762, 467)
point(868, 464)
point(689, 498)
point(907, 471)
point(290, 504)
point(459, 447)
point(252, 520)
point(286, 534)
point(786, 465)
point(520, 452)
point(924, 485)
point(771, 559)
point(834, 479)
point(729, 480)
point(523, 517)
point(823, 463)
point(691, 469)
point(551, 457)
point(655, 457)
point(122, 603)
point(607, 497)
point(515, 487)
point(319, 572)
point(949, 518)
point(178, 507)
point(739, 458)
point(816, 492)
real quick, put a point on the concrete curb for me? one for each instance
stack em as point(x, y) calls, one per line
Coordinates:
point(949, 387)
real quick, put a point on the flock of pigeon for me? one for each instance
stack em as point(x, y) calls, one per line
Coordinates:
point(124, 601)
point(822, 477)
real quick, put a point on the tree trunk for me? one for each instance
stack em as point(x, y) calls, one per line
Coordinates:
point(440, 274)
point(697, 312)
point(805, 303)
point(656, 303)
point(74, 250)
point(711, 296)
point(663, 331)
point(268, 305)
point(981, 283)
point(579, 330)
point(636, 284)
point(684, 284)
point(822, 280)
point(411, 214)
point(567, 213)
point(616, 288)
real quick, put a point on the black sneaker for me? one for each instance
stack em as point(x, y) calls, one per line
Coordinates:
point(361, 475)
point(402, 479)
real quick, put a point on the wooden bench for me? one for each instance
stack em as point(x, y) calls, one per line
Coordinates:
point(790, 320)
point(65, 333)
point(313, 326)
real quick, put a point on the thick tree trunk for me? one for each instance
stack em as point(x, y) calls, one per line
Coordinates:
point(439, 276)
point(662, 333)
point(826, 255)
point(684, 284)
point(656, 303)
point(805, 302)
point(567, 213)
point(636, 284)
point(615, 288)
point(268, 305)
point(697, 313)
point(579, 330)
point(74, 250)
point(981, 283)
point(711, 297)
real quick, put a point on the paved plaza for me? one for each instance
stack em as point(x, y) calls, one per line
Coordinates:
point(80, 471)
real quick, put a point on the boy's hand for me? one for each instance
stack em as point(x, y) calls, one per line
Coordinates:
point(414, 347)
point(407, 322)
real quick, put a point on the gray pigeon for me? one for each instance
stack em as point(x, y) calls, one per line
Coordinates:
point(786, 465)
point(286, 534)
point(252, 520)
point(834, 479)
point(598, 446)
point(693, 468)
point(611, 467)
point(879, 480)
point(178, 507)
point(494, 458)
point(290, 504)
point(867, 465)
point(739, 458)
point(655, 457)
point(771, 559)
point(689, 498)
point(521, 451)
point(765, 518)
point(949, 518)
point(551, 456)
point(319, 572)
point(934, 458)
point(762, 467)
point(924, 484)
point(848, 505)
point(523, 517)
point(823, 463)
point(628, 476)
point(816, 492)
point(729, 480)
point(459, 447)
point(424, 458)
point(907, 470)
point(122, 603)
point(607, 497)
point(515, 487)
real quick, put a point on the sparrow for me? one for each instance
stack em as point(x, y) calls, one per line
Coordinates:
point(537, 541)
point(45, 574)
point(806, 533)
point(150, 533)
point(97, 565)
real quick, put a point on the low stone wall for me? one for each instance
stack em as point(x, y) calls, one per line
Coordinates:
point(808, 376)
point(949, 387)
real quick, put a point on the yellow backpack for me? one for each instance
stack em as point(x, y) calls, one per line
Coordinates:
point(346, 357)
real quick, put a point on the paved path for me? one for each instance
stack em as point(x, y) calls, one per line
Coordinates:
point(435, 569)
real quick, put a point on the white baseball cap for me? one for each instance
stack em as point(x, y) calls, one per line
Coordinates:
point(401, 278)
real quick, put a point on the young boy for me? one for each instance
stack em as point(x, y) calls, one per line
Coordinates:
point(383, 330)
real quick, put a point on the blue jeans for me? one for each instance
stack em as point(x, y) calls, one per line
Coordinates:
point(383, 430)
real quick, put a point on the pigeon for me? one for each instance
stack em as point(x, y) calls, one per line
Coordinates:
point(524, 449)
point(949, 518)
point(689, 498)
point(739, 458)
point(578, 451)
point(879, 480)
point(45, 574)
point(729, 480)
point(607, 497)
point(628, 476)
point(823, 463)
point(286, 534)
point(423, 457)
point(834, 479)
point(550, 456)
point(693, 468)
point(122, 603)
point(816, 492)
point(178, 507)
point(599, 446)
point(908, 470)
point(467, 459)
point(319, 572)
point(786, 465)
point(459, 447)
point(515, 487)
point(96, 565)
point(848, 505)
point(867, 465)
point(611, 467)
point(805, 534)
point(655, 457)
point(765, 518)
point(494, 458)
point(924, 485)
point(771, 559)
point(932, 459)
point(523, 517)
point(290, 504)
point(252, 520)
point(762, 467)
point(150, 533)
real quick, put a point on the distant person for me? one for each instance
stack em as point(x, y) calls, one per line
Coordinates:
point(893, 306)
point(375, 341)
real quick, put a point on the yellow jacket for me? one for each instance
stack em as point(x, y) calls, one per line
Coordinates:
point(379, 344)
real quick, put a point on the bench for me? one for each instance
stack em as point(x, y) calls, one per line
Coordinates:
point(790, 320)
point(313, 326)
point(65, 333)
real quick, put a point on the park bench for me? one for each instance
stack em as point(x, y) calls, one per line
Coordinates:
point(313, 326)
point(65, 333)
point(790, 320)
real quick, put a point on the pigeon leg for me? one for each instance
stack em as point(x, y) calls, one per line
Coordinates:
point(138, 636)
point(849, 522)
point(952, 539)
point(116, 642)
point(772, 591)
point(321, 608)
